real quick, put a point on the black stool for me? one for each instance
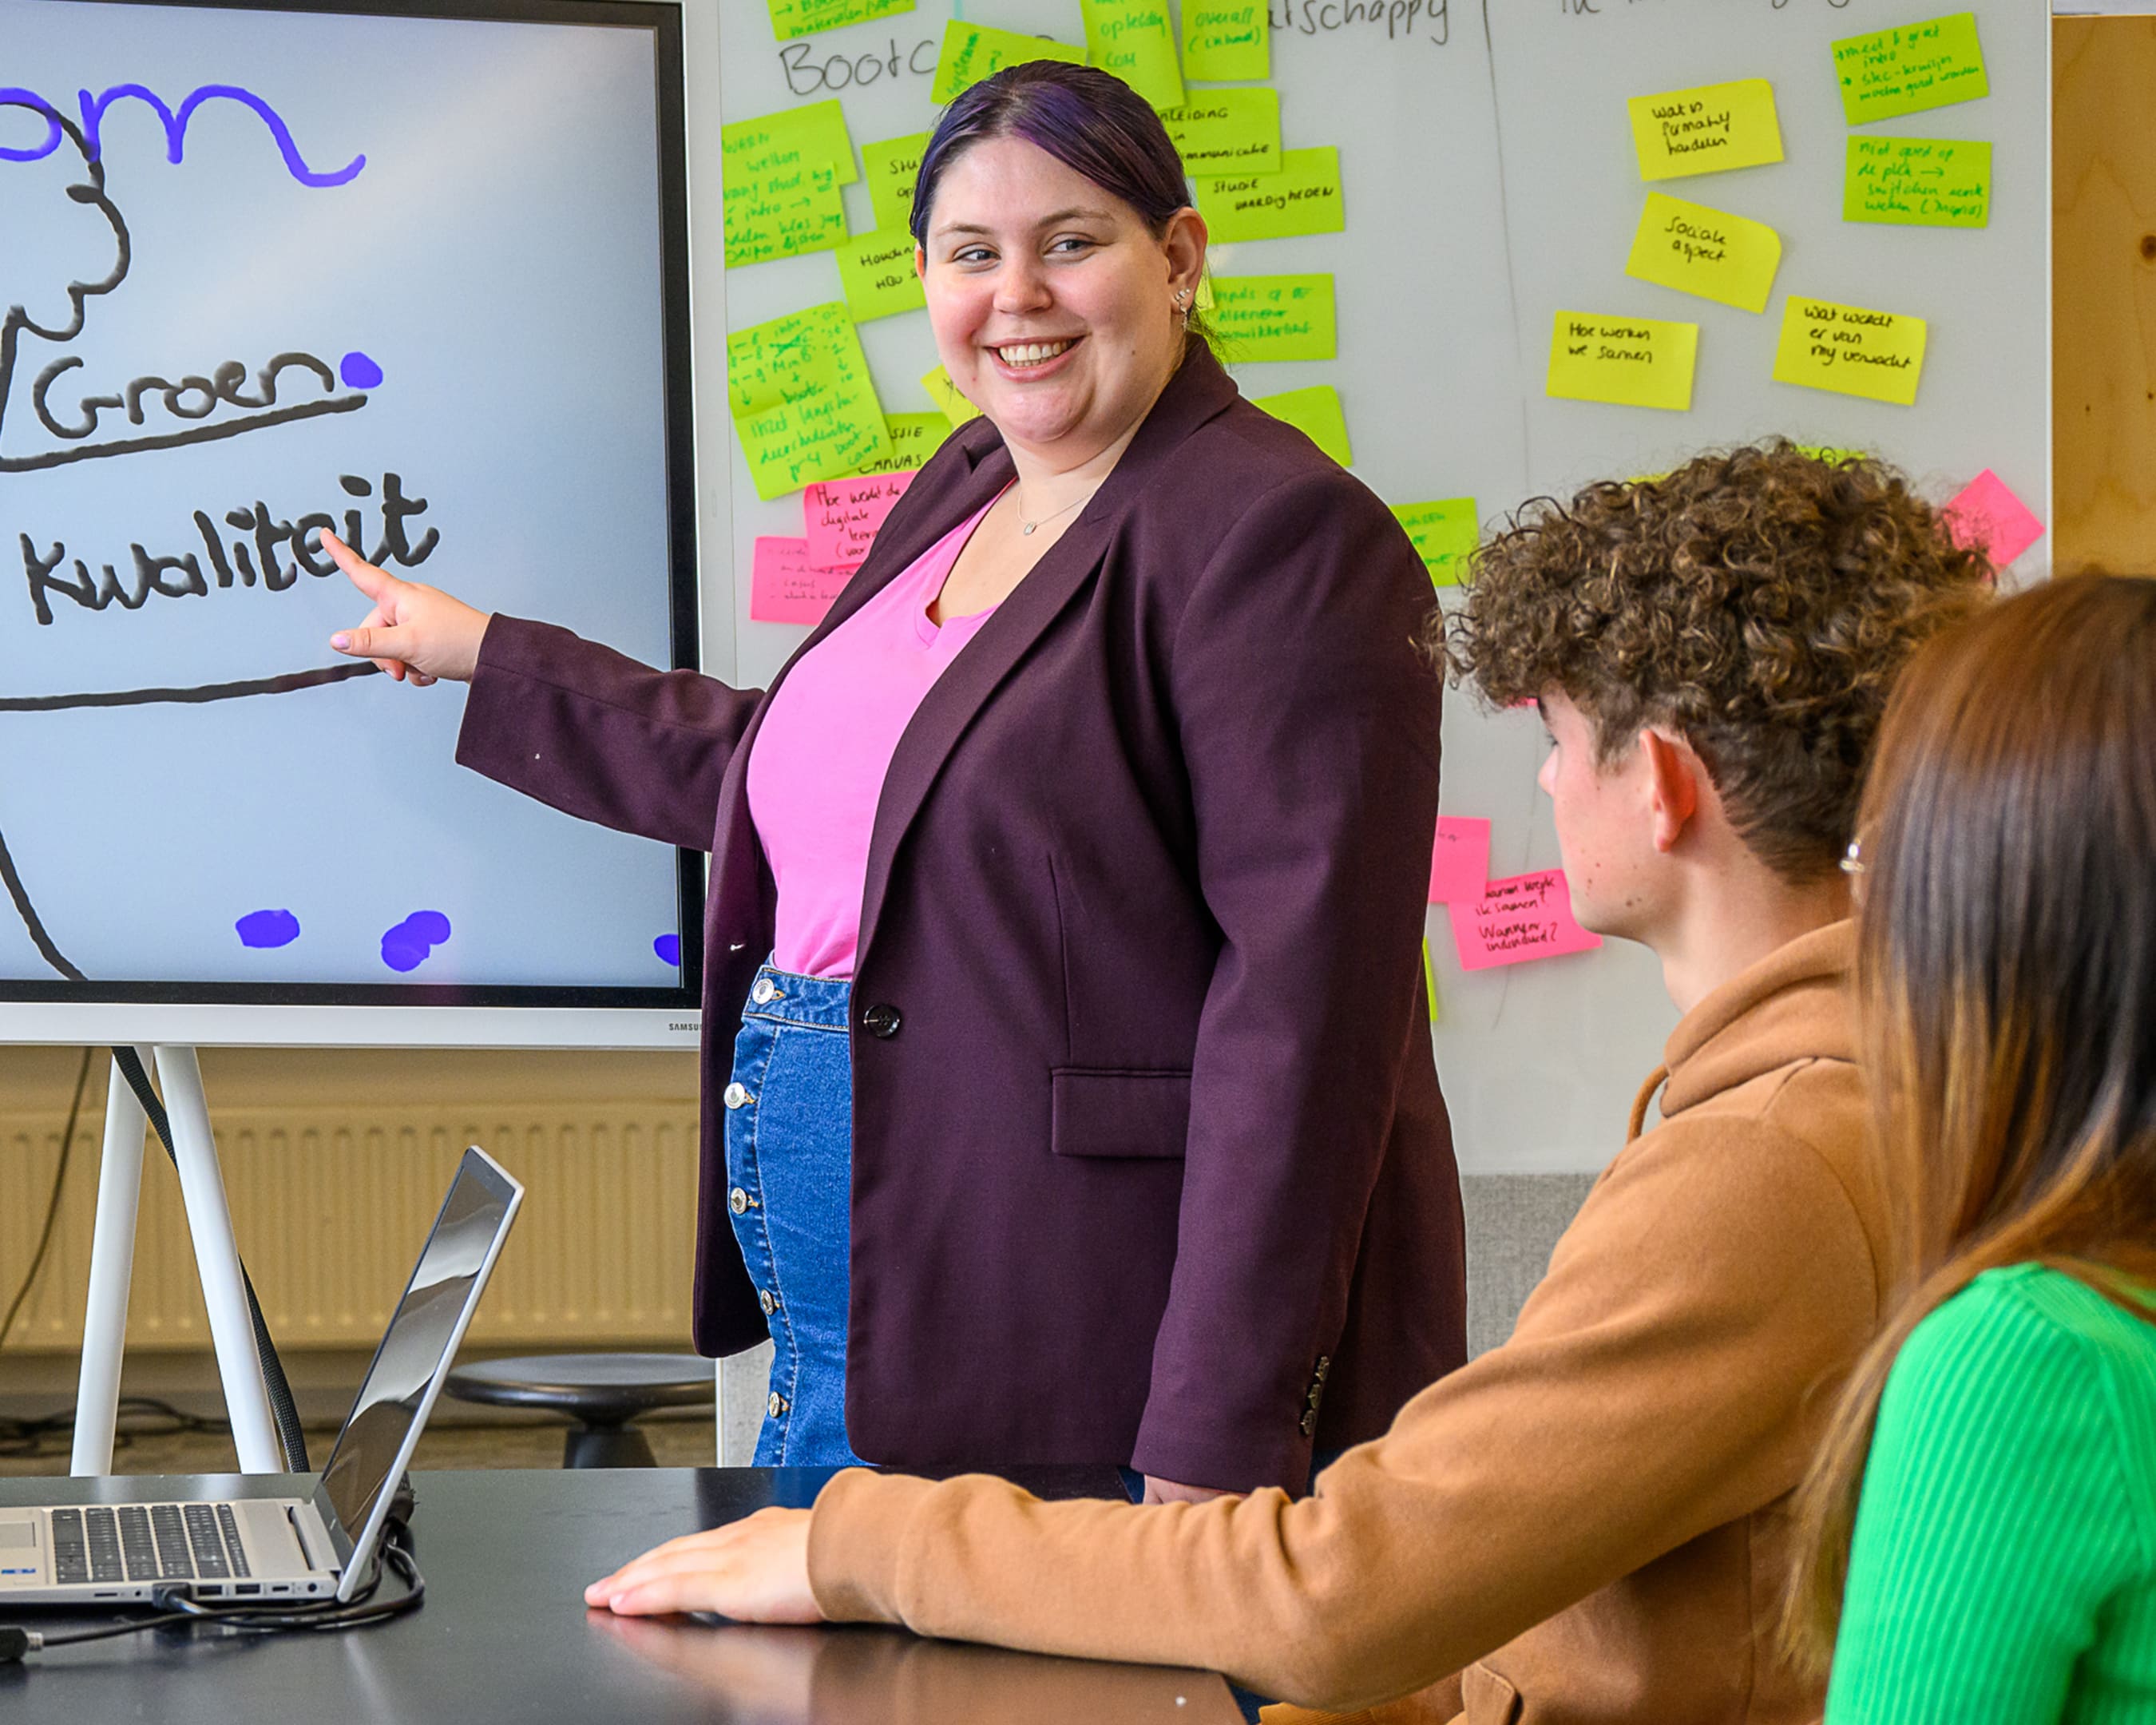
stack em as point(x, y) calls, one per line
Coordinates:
point(601, 1392)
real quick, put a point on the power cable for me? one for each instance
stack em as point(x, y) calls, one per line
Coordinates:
point(52, 1205)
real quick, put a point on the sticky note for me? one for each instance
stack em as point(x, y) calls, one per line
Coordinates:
point(1634, 362)
point(973, 51)
point(803, 403)
point(1443, 533)
point(1428, 982)
point(914, 437)
point(1707, 251)
point(1134, 39)
point(1829, 453)
point(803, 18)
point(782, 587)
point(876, 274)
point(1460, 860)
point(1913, 67)
point(1316, 414)
point(891, 166)
point(1706, 130)
point(1271, 318)
point(1227, 41)
point(1511, 922)
point(814, 133)
point(945, 394)
point(1227, 131)
point(1303, 197)
point(1926, 182)
point(782, 173)
point(841, 517)
point(1987, 517)
point(1852, 350)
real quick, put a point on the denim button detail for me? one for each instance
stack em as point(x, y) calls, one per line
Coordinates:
point(737, 1202)
point(775, 1405)
point(765, 992)
point(734, 1095)
point(768, 1301)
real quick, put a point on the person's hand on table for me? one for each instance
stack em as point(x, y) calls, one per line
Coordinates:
point(418, 634)
point(1159, 1490)
point(755, 1571)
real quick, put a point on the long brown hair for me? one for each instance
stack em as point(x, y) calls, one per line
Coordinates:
point(2006, 984)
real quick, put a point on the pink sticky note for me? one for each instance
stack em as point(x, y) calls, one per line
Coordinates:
point(1988, 518)
point(1513, 920)
point(842, 518)
point(784, 588)
point(1460, 863)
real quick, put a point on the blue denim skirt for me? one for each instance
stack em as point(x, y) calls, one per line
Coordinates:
point(789, 1178)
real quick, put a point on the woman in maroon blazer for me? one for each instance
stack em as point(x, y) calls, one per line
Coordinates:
point(1125, 1101)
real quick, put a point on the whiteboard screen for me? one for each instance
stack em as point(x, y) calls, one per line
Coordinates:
point(419, 278)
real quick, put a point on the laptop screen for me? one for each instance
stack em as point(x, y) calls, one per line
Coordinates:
point(425, 1326)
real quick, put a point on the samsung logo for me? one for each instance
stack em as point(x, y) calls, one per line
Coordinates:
point(689, 1026)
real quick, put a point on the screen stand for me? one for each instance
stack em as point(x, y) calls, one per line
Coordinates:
point(217, 1262)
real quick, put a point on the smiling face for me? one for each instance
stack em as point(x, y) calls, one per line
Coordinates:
point(1054, 305)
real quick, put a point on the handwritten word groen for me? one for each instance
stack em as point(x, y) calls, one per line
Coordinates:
point(803, 18)
point(1272, 317)
point(842, 518)
point(1460, 860)
point(1513, 920)
point(1303, 197)
point(1314, 412)
point(1850, 350)
point(1445, 534)
point(1227, 41)
point(1135, 40)
point(973, 51)
point(1987, 516)
point(1908, 69)
point(1706, 130)
point(945, 394)
point(1707, 251)
point(1227, 131)
point(1926, 182)
point(876, 274)
point(1634, 361)
point(891, 166)
point(803, 405)
point(783, 587)
point(914, 437)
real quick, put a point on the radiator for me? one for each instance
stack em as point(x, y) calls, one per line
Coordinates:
point(330, 1204)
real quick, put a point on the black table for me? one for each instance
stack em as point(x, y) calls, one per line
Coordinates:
point(504, 1635)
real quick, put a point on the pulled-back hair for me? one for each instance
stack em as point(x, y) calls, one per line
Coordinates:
point(2006, 987)
point(1759, 602)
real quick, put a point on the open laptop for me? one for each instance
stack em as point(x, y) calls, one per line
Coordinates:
point(287, 1548)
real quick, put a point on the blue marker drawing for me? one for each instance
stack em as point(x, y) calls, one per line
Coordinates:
point(268, 928)
point(668, 947)
point(94, 109)
point(405, 948)
point(359, 372)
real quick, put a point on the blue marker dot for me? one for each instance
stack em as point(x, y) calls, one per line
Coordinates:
point(406, 947)
point(431, 927)
point(668, 947)
point(268, 928)
point(359, 372)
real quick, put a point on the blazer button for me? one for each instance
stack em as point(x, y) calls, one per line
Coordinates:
point(882, 1022)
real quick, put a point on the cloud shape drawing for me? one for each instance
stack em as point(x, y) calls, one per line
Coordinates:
point(406, 947)
point(359, 372)
point(268, 928)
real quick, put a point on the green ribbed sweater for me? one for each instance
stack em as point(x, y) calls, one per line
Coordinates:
point(2004, 1566)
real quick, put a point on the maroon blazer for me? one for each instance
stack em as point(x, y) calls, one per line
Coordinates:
point(1149, 1156)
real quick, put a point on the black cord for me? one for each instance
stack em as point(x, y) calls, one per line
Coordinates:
point(289, 1435)
point(48, 1434)
point(52, 1205)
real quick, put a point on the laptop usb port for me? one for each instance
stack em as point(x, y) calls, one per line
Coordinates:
point(247, 1587)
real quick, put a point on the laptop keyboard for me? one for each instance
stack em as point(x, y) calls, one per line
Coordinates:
point(147, 1541)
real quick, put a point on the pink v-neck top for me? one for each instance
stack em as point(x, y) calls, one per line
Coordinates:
point(818, 765)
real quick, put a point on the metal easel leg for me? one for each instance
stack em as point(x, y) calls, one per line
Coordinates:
point(217, 1260)
point(111, 1275)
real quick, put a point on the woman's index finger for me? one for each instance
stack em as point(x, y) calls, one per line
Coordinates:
point(368, 579)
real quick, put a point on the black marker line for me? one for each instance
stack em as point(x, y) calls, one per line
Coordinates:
point(285, 684)
point(38, 938)
point(176, 440)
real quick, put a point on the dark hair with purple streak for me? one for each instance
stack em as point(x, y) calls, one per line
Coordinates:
point(1087, 119)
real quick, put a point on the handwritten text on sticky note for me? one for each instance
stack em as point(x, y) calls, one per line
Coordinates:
point(1459, 860)
point(1273, 317)
point(890, 167)
point(803, 404)
point(914, 437)
point(1135, 40)
point(1908, 69)
point(1445, 534)
point(1852, 350)
point(1706, 130)
point(1303, 197)
point(1227, 41)
point(945, 394)
point(876, 272)
point(782, 587)
point(1511, 922)
point(1227, 131)
point(842, 518)
point(1634, 362)
point(1706, 252)
point(1925, 182)
point(1987, 517)
point(790, 18)
point(973, 51)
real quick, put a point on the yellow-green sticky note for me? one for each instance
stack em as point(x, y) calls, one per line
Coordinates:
point(1429, 981)
point(803, 18)
point(1927, 182)
point(876, 272)
point(1445, 533)
point(1911, 68)
point(1852, 350)
point(914, 437)
point(1830, 453)
point(815, 133)
point(1227, 131)
point(891, 166)
point(973, 51)
point(803, 405)
point(1227, 41)
point(1706, 130)
point(1314, 412)
point(783, 214)
point(1634, 361)
point(1303, 197)
point(1271, 318)
point(1134, 39)
point(1708, 252)
point(945, 394)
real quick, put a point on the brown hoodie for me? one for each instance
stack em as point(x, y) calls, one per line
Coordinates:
point(1595, 1511)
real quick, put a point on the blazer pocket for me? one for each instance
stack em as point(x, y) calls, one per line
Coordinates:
point(1106, 1112)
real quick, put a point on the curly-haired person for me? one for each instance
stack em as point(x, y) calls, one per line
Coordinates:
point(1588, 1524)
